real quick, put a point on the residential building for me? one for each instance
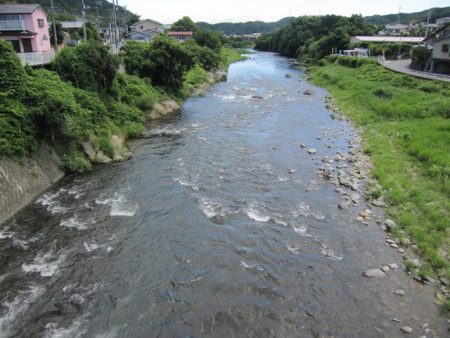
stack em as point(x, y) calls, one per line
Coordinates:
point(443, 21)
point(145, 30)
point(181, 36)
point(388, 39)
point(397, 29)
point(27, 29)
point(440, 57)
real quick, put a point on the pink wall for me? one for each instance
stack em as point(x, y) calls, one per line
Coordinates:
point(41, 41)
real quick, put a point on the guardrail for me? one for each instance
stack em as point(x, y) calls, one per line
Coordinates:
point(36, 58)
point(426, 75)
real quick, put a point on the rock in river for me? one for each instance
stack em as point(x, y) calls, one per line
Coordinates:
point(374, 273)
point(312, 151)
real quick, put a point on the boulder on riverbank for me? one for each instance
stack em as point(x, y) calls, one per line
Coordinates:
point(96, 155)
point(164, 108)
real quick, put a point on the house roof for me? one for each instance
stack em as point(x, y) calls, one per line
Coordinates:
point(18, 9)
point(392, 39)
point(444, 26)
point(180, 33)
point(153, 21)
point(72, 24)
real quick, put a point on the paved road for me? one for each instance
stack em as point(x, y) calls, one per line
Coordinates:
point(402, 66)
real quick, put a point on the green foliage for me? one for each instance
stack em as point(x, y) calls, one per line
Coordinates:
point(77, 163)
point(312, 37)
point(446, 305)
point(185, 24)
point(208, 39)
point(12, 74)
point(133, 129)
point(91, 32)
point(419, 56)
point(164, 61)
point(50, 101)
point(59, 33)
point(135, 92)
point(17, 132)
point(196, 76)
point(88, 66)
point(203, 56)
point(240, 28)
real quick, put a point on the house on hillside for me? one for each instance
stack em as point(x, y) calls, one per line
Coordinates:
point(440, 56)
point(145, 30)
point(397, 29)
point(26, 27)
point(443, 21)
point(181, 36)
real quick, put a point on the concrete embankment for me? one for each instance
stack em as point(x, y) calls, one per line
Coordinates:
point(22, 180)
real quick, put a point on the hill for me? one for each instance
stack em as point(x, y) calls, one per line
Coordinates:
point(405, 18)
point(70, 9)
point(244, 27)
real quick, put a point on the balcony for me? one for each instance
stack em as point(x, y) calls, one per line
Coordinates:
point(12, 25)
point(36, 58)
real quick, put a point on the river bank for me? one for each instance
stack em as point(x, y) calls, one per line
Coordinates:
point(24, 179)
point(405, 132)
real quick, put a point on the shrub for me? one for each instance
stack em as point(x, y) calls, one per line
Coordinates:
point(77, 163)
point(88, 66)
point(12, 74)
point(133, 129)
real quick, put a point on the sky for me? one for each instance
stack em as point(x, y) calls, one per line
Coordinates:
point(168, 11)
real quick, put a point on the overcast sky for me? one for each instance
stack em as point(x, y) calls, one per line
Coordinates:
point(168, 11)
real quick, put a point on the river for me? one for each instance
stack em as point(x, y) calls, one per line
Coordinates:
point(219, 226)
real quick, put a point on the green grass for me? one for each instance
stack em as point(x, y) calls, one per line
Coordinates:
point(407, 134)
point(228, 56)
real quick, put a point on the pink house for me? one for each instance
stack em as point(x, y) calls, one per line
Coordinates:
point(27, 28)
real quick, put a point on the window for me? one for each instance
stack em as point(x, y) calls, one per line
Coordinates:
point(41, 22)
point(445, 48)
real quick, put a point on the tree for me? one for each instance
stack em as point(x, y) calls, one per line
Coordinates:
point(164, 61)
point(12, 74)
point(88, 66)
point(59, 33)
point(185, 24)
point(208, 39)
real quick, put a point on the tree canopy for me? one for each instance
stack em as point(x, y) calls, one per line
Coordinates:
point(185, 24)
point(313, 37)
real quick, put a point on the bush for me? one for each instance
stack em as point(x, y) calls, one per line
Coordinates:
point(51, 101)
point(88, 66)
point(77, 163)
point(12, 74)
point(203, 56)
point(133, 129)
point(17, 131)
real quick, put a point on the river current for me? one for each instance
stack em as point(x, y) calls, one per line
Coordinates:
point(219, 226)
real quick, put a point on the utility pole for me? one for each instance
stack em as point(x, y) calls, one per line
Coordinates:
point(55, 38)
point(97, 20)
point(428, 23)
point(83, 15)
point(116, 38)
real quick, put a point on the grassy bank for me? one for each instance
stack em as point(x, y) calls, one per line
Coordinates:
point(406, 125)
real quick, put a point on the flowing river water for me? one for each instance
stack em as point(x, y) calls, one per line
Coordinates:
point(219, 226)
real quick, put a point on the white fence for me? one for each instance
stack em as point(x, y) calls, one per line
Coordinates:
point(36, 58)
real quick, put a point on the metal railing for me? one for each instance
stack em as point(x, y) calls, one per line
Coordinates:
point(402, 69)
point(36, 58)
point(12, 25)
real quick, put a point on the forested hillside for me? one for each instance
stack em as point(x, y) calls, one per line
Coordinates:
point(435, 13)
point(245, 27)
point(70, 9)
point(313, 37)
